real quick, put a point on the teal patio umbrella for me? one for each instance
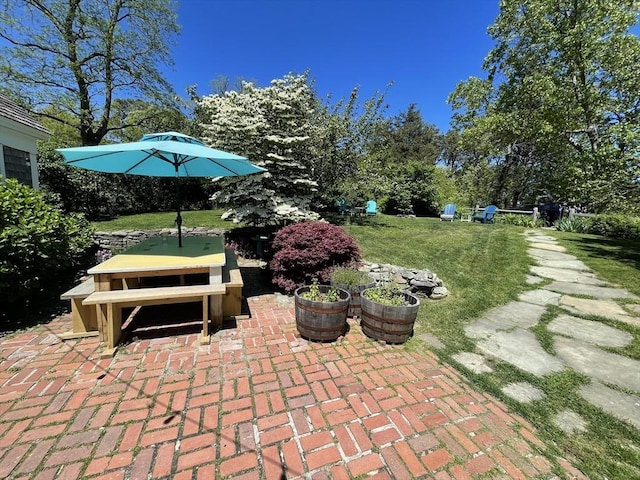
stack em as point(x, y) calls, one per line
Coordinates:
point(167, 154)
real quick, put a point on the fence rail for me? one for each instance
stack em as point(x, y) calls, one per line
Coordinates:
point(534, 213)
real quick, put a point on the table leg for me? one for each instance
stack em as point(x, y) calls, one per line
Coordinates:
point(215, 275)
point(205, 339)
point(113, 327)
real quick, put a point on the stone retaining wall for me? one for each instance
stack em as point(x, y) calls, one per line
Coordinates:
point(125, 238)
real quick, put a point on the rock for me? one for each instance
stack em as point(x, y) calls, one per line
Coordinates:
point(523, 392)
point(422, 283)
point(399, 279)
point(417, 282)
point(474, 362)
point(569, 422)
point(407, 275)
point(439, 292)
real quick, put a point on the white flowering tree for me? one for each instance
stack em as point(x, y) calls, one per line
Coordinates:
point(272, 126)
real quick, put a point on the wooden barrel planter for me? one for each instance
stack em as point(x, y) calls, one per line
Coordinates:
point(321, 321)
point(389, 323)
point(355, 291)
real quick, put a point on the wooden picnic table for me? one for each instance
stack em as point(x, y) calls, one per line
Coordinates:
point(157, 257)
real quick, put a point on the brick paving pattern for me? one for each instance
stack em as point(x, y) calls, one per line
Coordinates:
point(259, 402)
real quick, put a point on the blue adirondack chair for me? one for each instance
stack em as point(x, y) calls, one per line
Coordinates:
point(343, 207)
point(371, 208)
point(449, 212)
point(487, 215)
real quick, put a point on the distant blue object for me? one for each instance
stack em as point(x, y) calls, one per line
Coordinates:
point(449, 212)
point(487, 215)
point(343, 207)
point(371, 208)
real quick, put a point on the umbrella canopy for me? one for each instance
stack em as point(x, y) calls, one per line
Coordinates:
point(167, 154)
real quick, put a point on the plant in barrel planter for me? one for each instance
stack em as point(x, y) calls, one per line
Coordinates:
point(321, 311)
point(388, 313)
point(353, 281)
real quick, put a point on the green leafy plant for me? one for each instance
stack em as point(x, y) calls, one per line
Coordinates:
point(519, 220)
point(350, 276)
point(314, 294)
point(388, 293)
point(41, 248)
point(573, 224)
point(615, 225)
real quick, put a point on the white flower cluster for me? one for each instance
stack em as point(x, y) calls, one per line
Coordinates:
point(273, 127)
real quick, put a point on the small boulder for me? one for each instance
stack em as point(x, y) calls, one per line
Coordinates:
point(439, 292)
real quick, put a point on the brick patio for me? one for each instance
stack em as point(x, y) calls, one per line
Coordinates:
point(257, 403)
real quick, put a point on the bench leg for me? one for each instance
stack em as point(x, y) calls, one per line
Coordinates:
point(85, 323)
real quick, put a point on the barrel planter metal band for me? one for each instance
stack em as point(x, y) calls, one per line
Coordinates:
point(389, 323)
point(322, 321)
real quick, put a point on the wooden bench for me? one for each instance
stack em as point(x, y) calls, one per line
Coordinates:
point(85, 321)
point(110, 303)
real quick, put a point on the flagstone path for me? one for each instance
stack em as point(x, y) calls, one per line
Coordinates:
point(578, 343)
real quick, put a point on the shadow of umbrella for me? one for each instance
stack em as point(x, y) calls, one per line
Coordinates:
point(167, 154)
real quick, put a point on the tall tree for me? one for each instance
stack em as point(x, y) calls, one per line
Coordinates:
point(77, 56)
point(401, 163)
point(562, 110)
point(273, 127)
point(346, 128)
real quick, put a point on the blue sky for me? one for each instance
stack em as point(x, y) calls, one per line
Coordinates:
point(424, 46)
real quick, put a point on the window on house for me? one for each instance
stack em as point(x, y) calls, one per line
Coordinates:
point(17, 164)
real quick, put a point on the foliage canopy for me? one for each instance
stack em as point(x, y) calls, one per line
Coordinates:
point(72, 59)
point(557, 117)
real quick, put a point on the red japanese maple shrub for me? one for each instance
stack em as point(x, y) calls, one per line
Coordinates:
point(307, 250)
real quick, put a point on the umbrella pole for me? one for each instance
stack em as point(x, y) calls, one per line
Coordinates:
point(179, 217)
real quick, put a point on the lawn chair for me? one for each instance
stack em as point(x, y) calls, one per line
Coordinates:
point(343, 208)
point(371, 208)
point(449, 212)
point(487, 215)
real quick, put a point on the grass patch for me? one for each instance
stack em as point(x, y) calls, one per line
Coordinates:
point(153, 221)
point(615, 260)
point(482, 266)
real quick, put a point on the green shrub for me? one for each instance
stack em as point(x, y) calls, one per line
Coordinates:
point(41, 249)
point(615, 225)
point(518, 220)
point(307, 250)
point(573, 224)
point(350, 276)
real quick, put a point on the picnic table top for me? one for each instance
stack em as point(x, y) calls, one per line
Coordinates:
point(163, 253)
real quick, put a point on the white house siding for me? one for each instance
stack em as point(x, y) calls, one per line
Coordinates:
point(19, 131)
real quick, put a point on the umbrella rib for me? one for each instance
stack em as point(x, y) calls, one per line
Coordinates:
point(212, 160)
point(154, 153)
point(97, 155)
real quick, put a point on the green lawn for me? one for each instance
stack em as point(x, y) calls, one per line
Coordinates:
point(152, 221)
point(484, 266)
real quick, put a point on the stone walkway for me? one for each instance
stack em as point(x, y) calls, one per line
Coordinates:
point(257, 403)
point(503, 333)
